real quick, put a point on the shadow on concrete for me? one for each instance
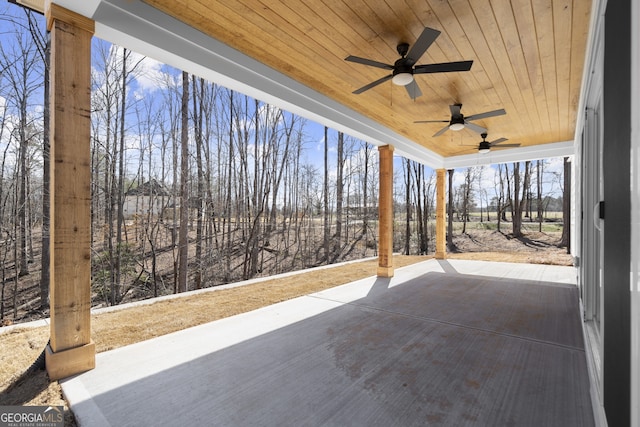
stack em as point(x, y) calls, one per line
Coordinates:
point(441, 349)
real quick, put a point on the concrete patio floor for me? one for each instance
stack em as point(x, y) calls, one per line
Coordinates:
point(448, 343)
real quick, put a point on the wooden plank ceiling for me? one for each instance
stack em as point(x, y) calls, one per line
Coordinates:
point(528, 58)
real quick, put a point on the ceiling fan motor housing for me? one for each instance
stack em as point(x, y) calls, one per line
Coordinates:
point(457, 119)
point(484, 147)
point(403, 49)
point(401, 66)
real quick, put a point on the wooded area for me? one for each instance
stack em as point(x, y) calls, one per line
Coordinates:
point(194, 185)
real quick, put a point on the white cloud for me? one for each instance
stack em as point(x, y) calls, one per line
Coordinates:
point(149, 73)
point(554, 165)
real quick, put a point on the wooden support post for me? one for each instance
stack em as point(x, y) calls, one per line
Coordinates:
point(385, 213)
point(441, 235)
point(71, 350)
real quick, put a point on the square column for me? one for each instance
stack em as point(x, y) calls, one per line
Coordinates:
point(385, 213)
point(71, 350)
point(441, 206)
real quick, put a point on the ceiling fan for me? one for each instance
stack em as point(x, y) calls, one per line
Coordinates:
point(485, 146)
point(458, 121)
point(403, 69)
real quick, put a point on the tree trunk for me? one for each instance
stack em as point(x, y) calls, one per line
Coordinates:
point(197, 112)
point(565, 240)
point(500, 199)
point(46, 184)
point(407, 183)
point(450, 246)
point(325, 242)
point(339, 195)
point(365, 194)
point(508, 197)
point(525, 202)
point(519, 201)
point(115, 294)
point(466, 196)
point(23, 266)
point(516, 214)
point(539, 207)
point(227, 199)
point(429, 197)
point(420, 208)
point(183, 242)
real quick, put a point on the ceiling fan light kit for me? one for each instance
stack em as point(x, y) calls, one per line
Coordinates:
point(402, 79)
point(456, 125)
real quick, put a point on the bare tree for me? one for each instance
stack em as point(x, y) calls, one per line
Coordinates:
point(421, 208)
point(470, 175)
point(367, 155)
point(183, 238)
point(5, 235)
point(325, 240)
point(450, 245)
point(407, 188)
point(482, 193)
point(43, 45)
point(23, 71)
point(539, 205)
point(115, 286)
point(565, 240)
point(198, 107)
point(339, 195)
point(429, 194)
point(227, 202)
point(519, 200)
point(501, 198)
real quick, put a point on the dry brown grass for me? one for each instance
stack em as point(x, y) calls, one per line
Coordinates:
point(163, 317)
point(20, 347)
point(555, 257)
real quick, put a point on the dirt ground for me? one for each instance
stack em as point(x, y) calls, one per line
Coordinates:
point(535, 248)
point(19, 348)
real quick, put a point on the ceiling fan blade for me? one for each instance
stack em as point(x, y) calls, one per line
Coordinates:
point(441, 131)
point(499, 141)
point(369, 62)
point(455, 109)
point(444, 67)
point(372, 84)
point(486, 115)
point(426, 39)
point(474, 127)
point(413, 90)
point(432, 121)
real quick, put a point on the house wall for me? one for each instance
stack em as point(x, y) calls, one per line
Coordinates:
point(617, 240)
point(618, 339)
point(588, 229)
point(635, 213)
point(142, 205)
